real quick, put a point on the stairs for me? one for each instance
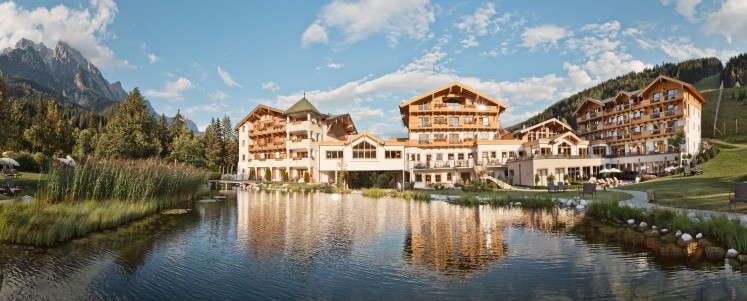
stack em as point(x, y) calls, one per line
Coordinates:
point(501, 184)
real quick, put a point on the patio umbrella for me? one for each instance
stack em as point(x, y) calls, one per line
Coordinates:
point(615, 170)
point(605, 171)
point(9, 161)
point(67, 161)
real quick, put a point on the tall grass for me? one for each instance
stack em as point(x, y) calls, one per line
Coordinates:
point(129, 181)
point(722, 230)
point(407, 194)
point(98, 195)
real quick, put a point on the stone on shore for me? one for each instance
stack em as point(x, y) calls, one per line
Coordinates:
point(642, 226)
point(714, 253)
point(686, 237)
point(742, 258)
point(691, 215)
point(631, 221)
point(678, 234)
point(699, 236)
point(664, 231)
point(731, 253)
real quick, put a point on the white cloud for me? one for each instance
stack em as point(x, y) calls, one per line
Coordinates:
point(315, 33)
point(544, 36)
point(358, 20)
point(271, 86)
point(481, 22)
point(218, 95)
point(152, 58)
point(684, 7)
point(608, 30)
point(683, 48)
point(330, 65)
point(227, 79)
point(191, 112)
point(82, 28)
point(730, 19)
point(469, 42)
point(172, 90)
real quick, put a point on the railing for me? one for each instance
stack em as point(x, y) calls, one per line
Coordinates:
point(424, 124)
point(453, 124)
point(593, 115)
point(423, 107)
point(558, 156)
point(669, 113)
point(655, 115)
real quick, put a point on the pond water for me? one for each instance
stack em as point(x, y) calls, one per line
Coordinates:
point(260, 245)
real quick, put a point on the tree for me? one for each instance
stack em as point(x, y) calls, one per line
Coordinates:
point(85, 143)
point(215, 149)
point(49, 132)
point(12, 120)
point(252, 174)
point(230, 143)
point(676, 141)
point(162, 131)
point(268, 174)
point(177, 124)
point(130, 131)
point(285, 176)
point(187, 148)
point(536, 180)
point(342, 175)
point(550, 179)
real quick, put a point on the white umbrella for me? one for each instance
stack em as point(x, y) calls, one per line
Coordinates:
point(614, 170)
point(9, 161)
point(604, 171)
point(67, 161)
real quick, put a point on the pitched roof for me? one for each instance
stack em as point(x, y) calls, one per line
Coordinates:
point(684, 85)
point(257, 108)
point(303, 105)
point(546, 122)
point(449, 86)
point(363, 135)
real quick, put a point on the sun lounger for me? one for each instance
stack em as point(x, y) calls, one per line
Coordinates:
point(738, 195)
point(698, 170)
point(561, 186)
point(12, 186)
point(16, 174)
point(589, 188)
point(617, 181)
point(551, 187)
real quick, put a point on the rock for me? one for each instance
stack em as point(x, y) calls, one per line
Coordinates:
point(686, 237)
point(631, 221)
point(691, 215)
point(652, 233)
point(517, 204)
point(699, 236)
point(174, 211)
point(742, 258)
point(678, 234)
point(27, 198)
point(583, 203)
point(707, 218)
point(694, 220)
point(653, 228)
point(714, 253)
point(580, 207)
point(743, 222)
point(664, 231)
point(731, 253)
point(510, 203)
point(705, 243)
point(642, 226)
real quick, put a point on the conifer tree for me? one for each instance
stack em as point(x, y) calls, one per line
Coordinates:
point(230, 142)
point(162, 131)
point(130, 131)
point(12, 120)
point(49, 132)
point(215, 149)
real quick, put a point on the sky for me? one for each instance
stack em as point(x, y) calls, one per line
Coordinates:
point(364, 57)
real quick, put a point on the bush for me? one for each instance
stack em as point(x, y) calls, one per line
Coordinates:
point(252, 174)
point(284, 174)
point(306, 178)
point(268, 174)
point(42, 161)
point(27, 163)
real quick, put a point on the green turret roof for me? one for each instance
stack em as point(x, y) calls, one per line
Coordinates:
point(302, 105)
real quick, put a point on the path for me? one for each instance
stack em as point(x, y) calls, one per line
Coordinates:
point(640, 200)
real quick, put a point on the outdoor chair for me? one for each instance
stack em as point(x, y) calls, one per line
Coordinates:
point(738, 195)
point(589, 188)
point(617, 181)
point(686, 171)
point(561, 186)
point(551, 187)
point(7, 173)
point(16, 174)
point(12, 186)
point(698, 169)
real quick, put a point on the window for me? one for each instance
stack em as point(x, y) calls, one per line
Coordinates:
point(418, 178)
point(438, 178)
point(439, 157)
point(424, 138)
point(364, 150)
point(485, 122)
point(454, 121)
point(469, 120)
point(484, 136)
point(492, 155)
point(671, 94)
point(393, 154)
point(334, 154)
point(657, 96)
point(243, 157)
point(424, 122)
point(460, 156)
point(439, 120)
point(243, 127)
point(454, 138)
point(450, 156)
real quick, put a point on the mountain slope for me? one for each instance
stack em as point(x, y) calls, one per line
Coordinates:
point(64, 73)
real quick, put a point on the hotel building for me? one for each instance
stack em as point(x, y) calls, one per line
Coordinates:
point(454, 133)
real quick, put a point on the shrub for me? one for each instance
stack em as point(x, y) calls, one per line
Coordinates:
point(27, 163)
point(306, 178)
point(551, 179)
point(374, 192)
point(268, 174)
point(252, 174)
point(285, 176)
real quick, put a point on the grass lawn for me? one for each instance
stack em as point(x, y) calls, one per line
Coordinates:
point(601, 195)
point(27, 183)
point(730, 110)
point(708, 191)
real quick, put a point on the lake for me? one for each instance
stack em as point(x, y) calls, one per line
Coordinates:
point(273, 245)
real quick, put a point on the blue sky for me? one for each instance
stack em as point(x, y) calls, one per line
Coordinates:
point(365, 57)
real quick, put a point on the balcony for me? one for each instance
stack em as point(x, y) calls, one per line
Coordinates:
point(300, 126)
point(298, 143)
point(424, 124)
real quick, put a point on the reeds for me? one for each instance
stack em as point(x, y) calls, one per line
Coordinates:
point(129, 181)
point(98, 195)
point(407, 194)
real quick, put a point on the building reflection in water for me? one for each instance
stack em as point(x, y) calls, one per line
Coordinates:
point(307, 229)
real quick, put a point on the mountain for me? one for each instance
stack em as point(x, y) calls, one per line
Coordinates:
point(690, 71)
point(63, 71)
